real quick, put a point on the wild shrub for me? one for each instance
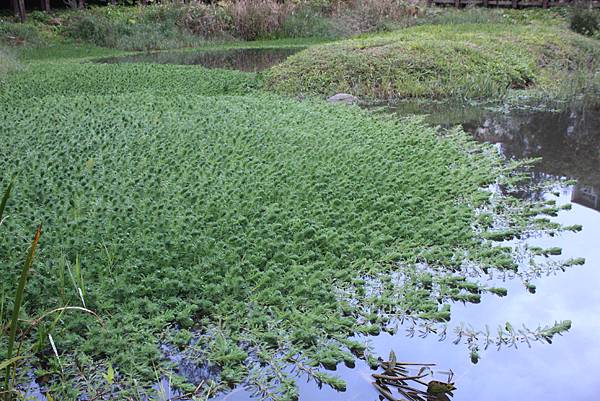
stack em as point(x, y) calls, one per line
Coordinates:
point(468, 15)
point(19, 34)
point(96, 29)
point(204, 20)
point(375, 15)
point(585, 21)
point(307, 21)
point(254, 19)
point(129, 31)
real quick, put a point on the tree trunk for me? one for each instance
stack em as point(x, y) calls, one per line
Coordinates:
point(22, 15)
point(15, 7)
point(46, 5)
point(82, 4)
point(113, 2)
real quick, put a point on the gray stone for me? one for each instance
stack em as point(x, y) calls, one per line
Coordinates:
point(343, 98)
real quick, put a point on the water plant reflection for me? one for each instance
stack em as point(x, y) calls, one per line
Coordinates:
point(411, 385)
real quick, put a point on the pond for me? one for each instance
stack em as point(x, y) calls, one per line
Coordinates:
point(249, 60)
point(569, 144)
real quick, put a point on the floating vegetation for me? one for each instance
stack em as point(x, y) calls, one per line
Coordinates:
point(252, 231)
point(411, 386)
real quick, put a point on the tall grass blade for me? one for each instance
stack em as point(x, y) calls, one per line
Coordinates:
point(5, 199)
point(5, 364)
point(19, 299)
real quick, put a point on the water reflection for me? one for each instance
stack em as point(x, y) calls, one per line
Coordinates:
point(250, 60)
point(586, 195)
point(568, 141)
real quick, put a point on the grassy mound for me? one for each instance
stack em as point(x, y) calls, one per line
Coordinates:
point(434, 61)
point(8, 61)
point(239, 228)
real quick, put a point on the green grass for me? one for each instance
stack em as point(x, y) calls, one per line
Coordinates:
point(437, 61)
point(8, 61)
point(191, 205)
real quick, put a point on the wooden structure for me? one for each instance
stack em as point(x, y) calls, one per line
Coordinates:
point(511, 3)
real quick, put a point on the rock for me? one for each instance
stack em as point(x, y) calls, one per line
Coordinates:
point(55, 21)
point(343, 98)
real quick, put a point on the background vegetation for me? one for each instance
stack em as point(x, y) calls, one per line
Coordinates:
point(180, 25)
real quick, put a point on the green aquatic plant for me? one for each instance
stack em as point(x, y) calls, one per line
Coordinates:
point(251, 230)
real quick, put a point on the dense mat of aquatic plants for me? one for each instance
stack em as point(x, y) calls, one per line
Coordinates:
point(248, 228)
point(50, 79)
point(434, 61)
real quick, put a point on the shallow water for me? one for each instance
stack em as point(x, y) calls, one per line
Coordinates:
point(569, 144)
point(250, 60)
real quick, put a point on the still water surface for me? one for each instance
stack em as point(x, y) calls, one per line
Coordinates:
point(250, 60)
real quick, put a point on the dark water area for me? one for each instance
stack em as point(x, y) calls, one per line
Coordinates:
point(249, 60)
point(568, 142)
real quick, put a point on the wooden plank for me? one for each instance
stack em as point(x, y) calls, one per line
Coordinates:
point(508, 3)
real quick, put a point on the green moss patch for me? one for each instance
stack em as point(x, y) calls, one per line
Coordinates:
point(435, 61)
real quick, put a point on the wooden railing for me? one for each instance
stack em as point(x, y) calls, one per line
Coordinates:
point(510, 3)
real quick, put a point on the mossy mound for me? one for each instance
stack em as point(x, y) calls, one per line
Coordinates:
point(436, 61)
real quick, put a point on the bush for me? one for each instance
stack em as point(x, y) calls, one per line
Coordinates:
point(19, 34)
point(256, 19)
point(40, 16)
point(128, 32)
point(358, 16)
point(95, 29)
point(585, 21)
point(204, 20)
point(306, 21)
